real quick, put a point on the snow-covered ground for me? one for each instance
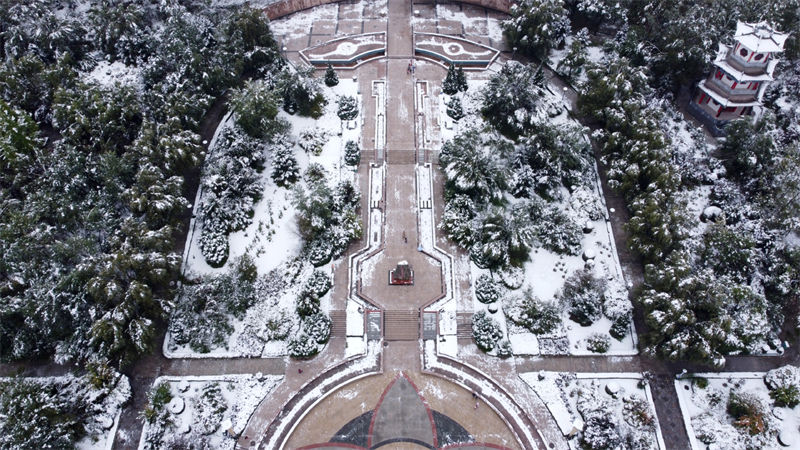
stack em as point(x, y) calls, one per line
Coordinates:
point(208, 411)
point(704, 400)
point(272, 238)
point(584, 405)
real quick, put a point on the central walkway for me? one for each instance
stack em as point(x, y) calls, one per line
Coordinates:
point(348, 411)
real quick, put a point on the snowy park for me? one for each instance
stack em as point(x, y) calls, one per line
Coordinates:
point(511, 224)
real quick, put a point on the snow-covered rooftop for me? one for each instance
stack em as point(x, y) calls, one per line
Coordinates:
point(722, 100)
point(721, 61)
point(760, 37)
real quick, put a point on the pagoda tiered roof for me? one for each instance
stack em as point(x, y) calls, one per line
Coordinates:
point(722, 61)
point(760, 37)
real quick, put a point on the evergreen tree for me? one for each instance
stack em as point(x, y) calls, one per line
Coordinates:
point(461, 78)
point(347, 107)
point(584, 293)
point(511, 97)
point(486, 331)
point(352, 154)
point(285, 169)
point(454, 109)
point(256, 109)
point(573, 63)
point(537, 26)
point(331, 79)
point(450, 84)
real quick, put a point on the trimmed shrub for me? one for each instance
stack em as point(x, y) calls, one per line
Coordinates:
point(347, 107)
point(486, 289)
point(352, 154)
point(598, 343)
point(486, 331)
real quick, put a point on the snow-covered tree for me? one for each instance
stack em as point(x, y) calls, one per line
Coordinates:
point(331, 79)
point(571, 66)
point(301, 93)
point(486, 290)
point(512, 96)
point(285, 168)
point(485, 331)
point(347, 107)
point(352, 154)
point(470, 169)
point(450, 83)
point(584, 295)
point(454, 109)
point(256, 108)
point(537, 26)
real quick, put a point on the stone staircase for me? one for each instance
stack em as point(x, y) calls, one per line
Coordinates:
point(338, 323)
point(464, 326)
point(401, 325)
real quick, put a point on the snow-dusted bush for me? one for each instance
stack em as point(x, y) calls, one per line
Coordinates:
point(512, 276)
point(485, 331)
point(537, 26)
point(347, 107)
point(352, 154)
point(301, 93)
point(783, 383)
point(209, 409)
point(312, 140)
point(584, 294)
point(559, 233)
point(214, 246)
point(598, 343)
point(585, 203)
point(318, 327)
point(256, 108)
point(783, 376)
point(504, 349)
point(307, 304)
point(318, 283)
point(636, 412)
point(528, 311)
point(454, 109)
point(285, 169)
point(331, 79)
point(748, 411)
point(618, 308)
point(600, 430)
point(486, 289)
point(302, 345)
point(511, 97)
point(231, 187)
point(318, 252)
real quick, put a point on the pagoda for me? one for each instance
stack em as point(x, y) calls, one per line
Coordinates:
point(740, 75)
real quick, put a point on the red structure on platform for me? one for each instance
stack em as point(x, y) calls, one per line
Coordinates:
point(740, 74)
point(402, 274)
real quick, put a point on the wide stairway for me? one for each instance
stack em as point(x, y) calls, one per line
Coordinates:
point(401, 325)
point(338, 323)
